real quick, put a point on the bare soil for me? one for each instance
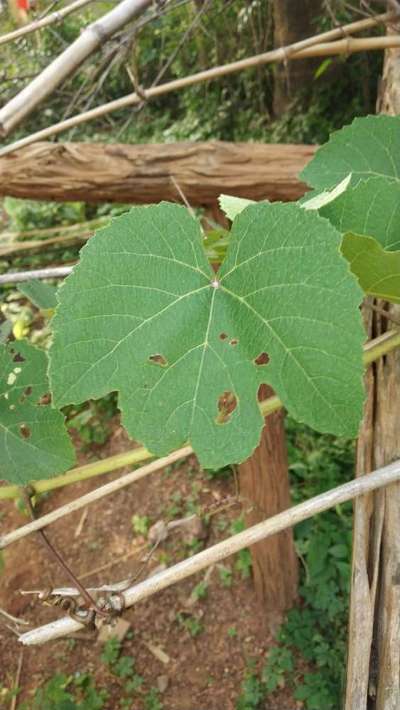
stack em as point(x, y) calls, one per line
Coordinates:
point(204, 672)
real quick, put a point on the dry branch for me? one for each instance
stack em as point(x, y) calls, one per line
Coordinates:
point(298, 50)
point(44, 21)
point(96, 172)
point(348, 491)
point(91, 39)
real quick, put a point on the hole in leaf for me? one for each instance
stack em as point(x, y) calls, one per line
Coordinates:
point(223, 336)
point(18, 358)
point(234, 341)
point(28, 391)
point(262, 359)
point(25, 431)
point(158, 359)
point(227, 403)
point(44, 400)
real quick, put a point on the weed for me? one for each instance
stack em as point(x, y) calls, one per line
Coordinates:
point(225, 575)
point(124, 667)
point(190, 623)
point(68, 693)
point(111, 651)
point(152, 700)
point(243, 557)
point(280, 662)
point(252, 693)
point(141, 524)
point(200, 591)
point(175, 508)
point(243, 563)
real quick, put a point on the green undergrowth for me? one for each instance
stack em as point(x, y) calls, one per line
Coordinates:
point(126, 689)
point(310, 653)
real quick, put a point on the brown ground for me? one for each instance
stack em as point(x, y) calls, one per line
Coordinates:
point(204, 672)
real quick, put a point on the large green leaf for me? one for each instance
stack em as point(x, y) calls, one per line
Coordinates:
point(33, 441)
point(371, 208)
point(369, 147)
point(377, 270)
point(143, 313)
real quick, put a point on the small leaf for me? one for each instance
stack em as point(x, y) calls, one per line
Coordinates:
point(321, 69)
point(327, 196)
point(33, 441)
point(369, 147)
point(232, 206)
point(41, 294)
point(146, 289)
point(377, 270)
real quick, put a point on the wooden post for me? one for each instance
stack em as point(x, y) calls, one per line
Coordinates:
point(264, 487)
point(373, 670)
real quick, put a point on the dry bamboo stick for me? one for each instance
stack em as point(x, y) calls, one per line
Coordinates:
point(91, 497)
point(44, 21)
point(91, 39)
point(298, 50)
point(56, 272)
point(222, 550)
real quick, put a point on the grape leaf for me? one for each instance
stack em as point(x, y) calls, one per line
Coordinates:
point(369, 147)
point(33, 441)
point(377, 270)
point(371, 208)
point(144, 313)
point(41, 294)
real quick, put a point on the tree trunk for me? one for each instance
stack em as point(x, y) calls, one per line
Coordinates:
point(373, 671)
point(293, 20)
point(264, 488)
point(143, 173)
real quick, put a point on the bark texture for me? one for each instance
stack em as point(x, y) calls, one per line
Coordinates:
point(294, 20)
point(94, 172)
point(373, 673)
point(264, 488)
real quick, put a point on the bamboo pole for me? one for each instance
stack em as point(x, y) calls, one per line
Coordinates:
point(373, 350)
point(55, 272)
point(299, 50)
point(288, 518)
point(91, 497)
point(91, 39)
point(51, 19)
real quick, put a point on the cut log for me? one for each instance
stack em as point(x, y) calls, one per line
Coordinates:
point(93, 172)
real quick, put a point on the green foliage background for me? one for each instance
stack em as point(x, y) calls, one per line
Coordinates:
point(239, 107)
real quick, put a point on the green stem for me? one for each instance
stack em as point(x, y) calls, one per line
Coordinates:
point(381, 346)
point(372, 351)
point(81, 473)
